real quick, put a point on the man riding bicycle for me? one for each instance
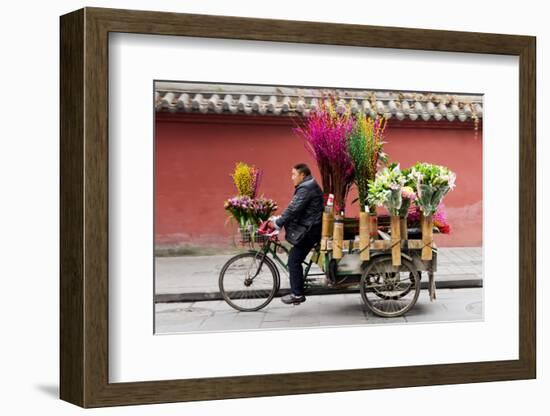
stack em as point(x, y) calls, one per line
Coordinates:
point(302, 220)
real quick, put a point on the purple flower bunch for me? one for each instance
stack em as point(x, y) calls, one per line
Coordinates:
point(250, 211)
point(263, 208)
point(239, 207)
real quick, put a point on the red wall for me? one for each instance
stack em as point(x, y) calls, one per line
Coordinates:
point(195, 155)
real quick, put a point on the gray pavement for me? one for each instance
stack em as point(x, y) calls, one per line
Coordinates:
point(451, 305)
point(189, 278)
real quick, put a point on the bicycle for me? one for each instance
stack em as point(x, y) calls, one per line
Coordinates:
point(250, 280)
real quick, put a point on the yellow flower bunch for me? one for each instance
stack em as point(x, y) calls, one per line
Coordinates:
point(365, 149)
point(371, 128)
point(243, 179)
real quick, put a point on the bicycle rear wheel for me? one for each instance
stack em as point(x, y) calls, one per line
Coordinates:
point(244, 285)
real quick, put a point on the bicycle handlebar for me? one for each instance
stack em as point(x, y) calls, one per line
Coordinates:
point(271, 234)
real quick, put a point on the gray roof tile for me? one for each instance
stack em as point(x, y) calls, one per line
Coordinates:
point(285, 101)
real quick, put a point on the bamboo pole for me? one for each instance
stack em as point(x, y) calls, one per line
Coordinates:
point(427, 236)
point(337, 236)
point(364, 236)
point(396, 240)
point(328, 221)
point(326, 229)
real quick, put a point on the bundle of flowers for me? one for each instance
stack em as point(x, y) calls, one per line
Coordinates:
point(387, 189)
point(365, 145)
point(439, 218)
point(408, 193)
point(326, 133)
point(262, 208)
point(246, 179)
point(249, 213)
point(432, 183)
point(246, 208)
point(241, 208)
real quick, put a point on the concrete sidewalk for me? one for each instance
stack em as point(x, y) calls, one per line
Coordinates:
point(452, 305)
point(194, 278)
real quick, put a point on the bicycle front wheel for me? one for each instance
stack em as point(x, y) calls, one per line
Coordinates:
point(247, 286)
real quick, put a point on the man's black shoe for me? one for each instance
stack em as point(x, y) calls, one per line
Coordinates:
point(292, 298)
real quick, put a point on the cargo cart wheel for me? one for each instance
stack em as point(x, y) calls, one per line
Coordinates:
point(406, 288)
point(390, 291)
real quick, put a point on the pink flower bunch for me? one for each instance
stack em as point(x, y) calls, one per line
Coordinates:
point(256, 176)
point(439, 218)
point(326, 133)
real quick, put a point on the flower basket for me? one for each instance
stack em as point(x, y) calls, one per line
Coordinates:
point(247, 236)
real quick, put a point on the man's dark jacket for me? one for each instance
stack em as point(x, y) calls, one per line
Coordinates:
point(306, 207)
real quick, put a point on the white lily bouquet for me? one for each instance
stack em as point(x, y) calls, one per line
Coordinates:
point(432, 183)
point(387, 189)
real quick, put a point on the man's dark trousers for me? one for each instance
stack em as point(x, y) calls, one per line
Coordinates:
point(297, 255)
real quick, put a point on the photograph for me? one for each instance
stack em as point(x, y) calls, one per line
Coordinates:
point(281, 207)
point(233, 187)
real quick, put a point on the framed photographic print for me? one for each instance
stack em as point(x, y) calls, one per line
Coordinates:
point(255, 207)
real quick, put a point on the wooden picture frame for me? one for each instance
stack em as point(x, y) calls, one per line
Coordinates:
point(84, 207)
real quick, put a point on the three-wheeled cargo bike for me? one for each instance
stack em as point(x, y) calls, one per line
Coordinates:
point(386, 270)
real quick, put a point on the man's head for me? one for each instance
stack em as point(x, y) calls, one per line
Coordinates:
point(299, 172)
